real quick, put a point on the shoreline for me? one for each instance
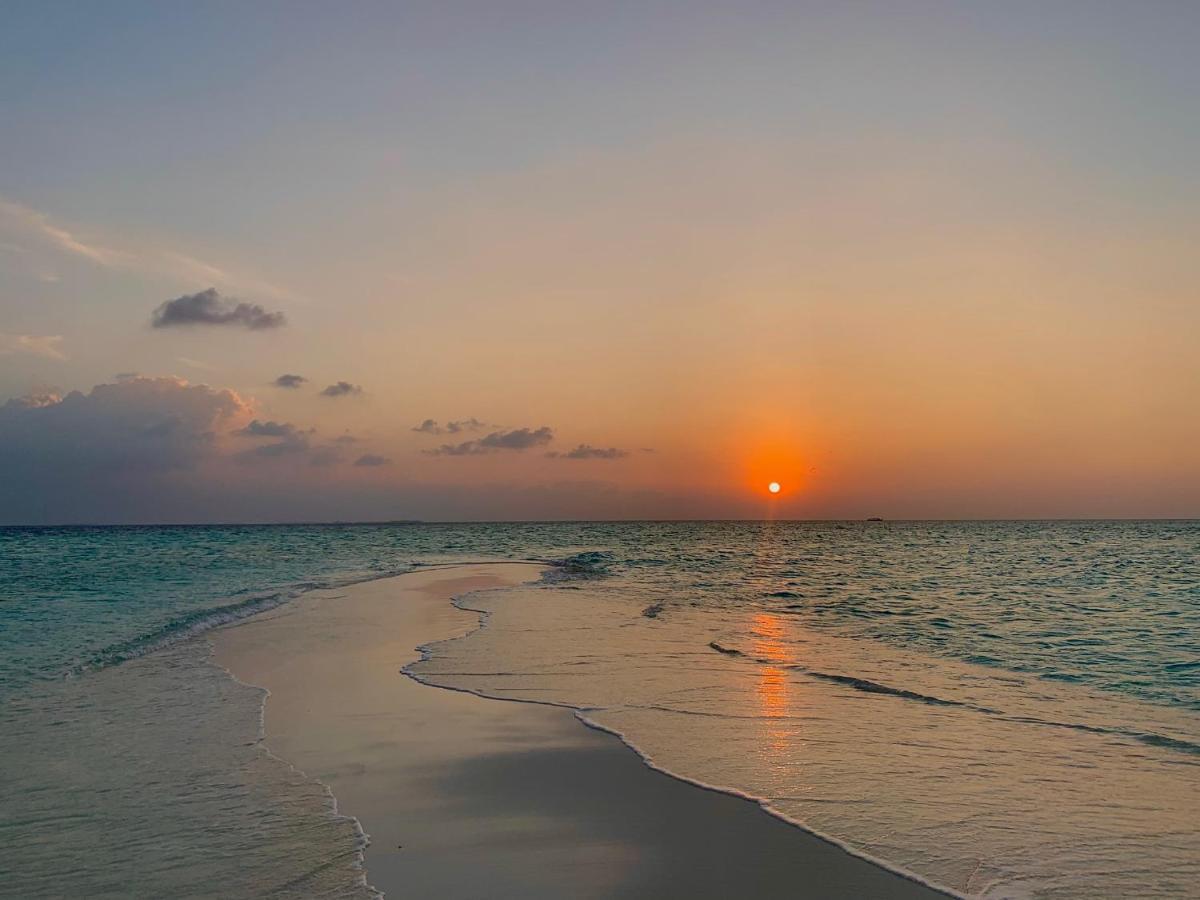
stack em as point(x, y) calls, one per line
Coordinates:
point(462, 794)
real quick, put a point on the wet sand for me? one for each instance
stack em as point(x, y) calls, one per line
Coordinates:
point(466, 797)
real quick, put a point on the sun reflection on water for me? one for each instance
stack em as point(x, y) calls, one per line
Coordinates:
point(773, 688)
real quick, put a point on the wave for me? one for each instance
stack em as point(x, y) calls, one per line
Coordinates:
point(590, 563)
point(191, 624)
point(867, 686)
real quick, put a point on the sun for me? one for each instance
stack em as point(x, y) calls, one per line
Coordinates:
point(774, 487)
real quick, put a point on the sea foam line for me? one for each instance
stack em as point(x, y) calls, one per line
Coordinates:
point(358, 862)
point(195, 623)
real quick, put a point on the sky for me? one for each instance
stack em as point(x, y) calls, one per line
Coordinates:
point(621, 260)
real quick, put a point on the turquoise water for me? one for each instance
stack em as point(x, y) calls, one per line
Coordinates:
point(133, 766)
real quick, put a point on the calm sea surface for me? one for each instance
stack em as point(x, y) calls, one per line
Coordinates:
point(1003, 709)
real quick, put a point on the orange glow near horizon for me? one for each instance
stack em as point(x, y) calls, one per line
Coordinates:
point(767, 468)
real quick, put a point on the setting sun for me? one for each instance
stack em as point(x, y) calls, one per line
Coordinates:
point(774, 487)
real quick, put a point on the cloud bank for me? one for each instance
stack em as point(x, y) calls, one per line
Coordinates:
point(291, 382)
point(517, 439)
point(210, 308)
point(138, 425)
point(430, 426)
point(586, 451)
point(268, 429)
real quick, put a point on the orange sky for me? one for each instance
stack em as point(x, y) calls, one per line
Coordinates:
point(912, 265)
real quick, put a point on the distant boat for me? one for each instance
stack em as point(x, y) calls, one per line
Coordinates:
point(874, 519)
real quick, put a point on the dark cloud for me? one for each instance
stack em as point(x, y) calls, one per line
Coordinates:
point(288, 447)
point(289, 381)
point(288, 442)
point(430, 426)
point(586, 451)
point(163, 426)
point(517, 439)
point(210, 308)
point(138, 426)
point(268, 429)
point(371, 459)
point(341, 389)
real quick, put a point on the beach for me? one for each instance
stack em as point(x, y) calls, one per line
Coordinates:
point(463, 796)
point(904, 705)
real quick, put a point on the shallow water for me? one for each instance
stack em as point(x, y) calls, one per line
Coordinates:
point(148, 780)
point(1006, 709)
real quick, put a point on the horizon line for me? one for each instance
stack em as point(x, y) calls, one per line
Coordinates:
point(584, 521)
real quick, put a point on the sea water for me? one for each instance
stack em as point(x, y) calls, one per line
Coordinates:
point(1001, 709)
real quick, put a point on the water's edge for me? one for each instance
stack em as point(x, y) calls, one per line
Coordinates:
point(580, 714)
point(359, 863)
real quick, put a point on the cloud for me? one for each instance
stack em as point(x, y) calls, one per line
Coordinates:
point(33, 401)
point(36, 227)
point(162, 450)
point(430, 426)
point(140, 429)
point(136, 426)
point(371, 459)
point(39, 224)
point(341, 389)
point(517, 439)
point(288, 440)
point(289, 446)
point(289, 381)
point(210, 308)
point(586, 451)
point(268, 429)
point(37, 345)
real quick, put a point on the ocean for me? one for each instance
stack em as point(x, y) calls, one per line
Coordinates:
point(1002, 709)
